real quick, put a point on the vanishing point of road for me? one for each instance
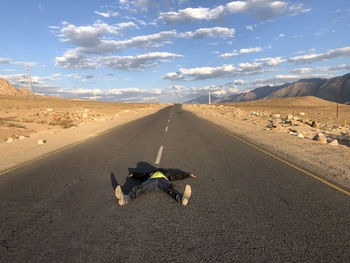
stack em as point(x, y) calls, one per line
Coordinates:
point(246, 206)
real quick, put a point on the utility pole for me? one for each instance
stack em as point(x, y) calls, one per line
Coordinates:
point(338, 98)
point(29, 80)
point(209, 98)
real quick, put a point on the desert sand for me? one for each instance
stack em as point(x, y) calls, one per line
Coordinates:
point(31, 128)
point(288, 128)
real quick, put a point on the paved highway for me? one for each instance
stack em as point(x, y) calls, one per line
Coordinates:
point(245, 207)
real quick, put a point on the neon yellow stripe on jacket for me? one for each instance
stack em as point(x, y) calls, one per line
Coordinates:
point(158, 174)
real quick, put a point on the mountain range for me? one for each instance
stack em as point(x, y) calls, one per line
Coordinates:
point(322, 88)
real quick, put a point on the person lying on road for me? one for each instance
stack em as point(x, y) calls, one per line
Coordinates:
point(158, 179)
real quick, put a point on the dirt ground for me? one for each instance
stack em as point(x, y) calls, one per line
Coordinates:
point(29, 129)
point(21, 117)
point(287, 127)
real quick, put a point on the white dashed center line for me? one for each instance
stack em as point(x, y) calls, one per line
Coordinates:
point(159, 155)
point(166, 129)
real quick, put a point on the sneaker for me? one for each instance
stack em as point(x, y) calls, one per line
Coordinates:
point(186, 195)
point(120, 196)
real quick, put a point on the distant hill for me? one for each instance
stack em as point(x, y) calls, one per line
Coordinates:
point(322, 88)
point(7, 89)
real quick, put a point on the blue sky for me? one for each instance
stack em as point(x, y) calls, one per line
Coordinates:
point(170, 50)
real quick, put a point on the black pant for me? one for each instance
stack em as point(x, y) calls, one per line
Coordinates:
point(155, 184)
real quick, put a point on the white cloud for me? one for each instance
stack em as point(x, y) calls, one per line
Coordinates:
point(301, 52)
point(263, 9)
point(74, 59)
point(137, 62)
point(106, 14)
point(251, 27)
point(189, 14)
point(320, 69)
point(242, 51)
point(20, 80)
point(9, 61)
point(222, 32)
point(339, 52)
point(257, 67)
point(272, 61)
point(302, 70)
point(240, 82)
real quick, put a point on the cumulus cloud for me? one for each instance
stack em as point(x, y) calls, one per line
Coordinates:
point(263, 9)
point(74, 59)
point(305, 59)
point(106, 14)
point(188, 14)
point(137, 62)
point(244, 69)
point(222, 32)
point(241, 51)
point(20, 80)
point(320, 69)
point(9, 61)
point(129, 63)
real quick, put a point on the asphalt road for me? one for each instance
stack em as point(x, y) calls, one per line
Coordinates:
point(246, 206)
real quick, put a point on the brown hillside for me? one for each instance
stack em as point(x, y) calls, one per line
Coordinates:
point(7, 89)
point(308, 101)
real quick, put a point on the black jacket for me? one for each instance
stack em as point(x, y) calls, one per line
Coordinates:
point(171, 174)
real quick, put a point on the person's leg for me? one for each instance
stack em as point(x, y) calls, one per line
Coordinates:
point(136, 191)
point(170, 189)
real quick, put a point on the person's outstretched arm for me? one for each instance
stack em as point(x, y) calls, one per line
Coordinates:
point(179, 175)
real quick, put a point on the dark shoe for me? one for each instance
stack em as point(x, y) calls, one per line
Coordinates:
point(186, 195)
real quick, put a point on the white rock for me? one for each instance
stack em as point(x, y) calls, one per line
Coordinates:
point(290, 116)
point(295, 118)
point(9, 140)
point(21, 137)
point(320, 137)
point(126, 110)
point(277, 115)
point(86, 110)
point(302, 113)
point(115, 116)
point(41, 141)
point(102, 119)
point(85, 115)
point(333, 143)
point(49, 110)
point(300, 135)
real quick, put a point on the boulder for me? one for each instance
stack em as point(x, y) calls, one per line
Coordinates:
point(302, 113)
point(9, 140)
point(320, 138)
point(289, 117)
point(300, 135)
point(315, 124)
point(333, 142)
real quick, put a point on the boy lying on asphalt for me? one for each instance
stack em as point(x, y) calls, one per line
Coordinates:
point(158, 179)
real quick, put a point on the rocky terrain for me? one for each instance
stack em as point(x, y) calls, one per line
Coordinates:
point(304, 129)
point(22, 118)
